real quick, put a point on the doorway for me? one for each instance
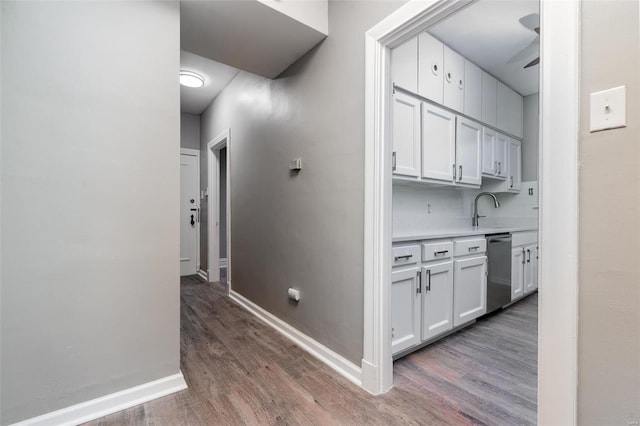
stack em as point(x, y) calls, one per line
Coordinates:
point(218, 236)
point(558, 199)
point(189, 211)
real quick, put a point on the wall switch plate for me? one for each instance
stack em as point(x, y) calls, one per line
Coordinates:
point(295, 164)
point(608, 109)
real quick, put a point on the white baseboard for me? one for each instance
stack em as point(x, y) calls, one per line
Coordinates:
point(315, 348)
point(203, 274)
point(109, 404)
point(223, 262)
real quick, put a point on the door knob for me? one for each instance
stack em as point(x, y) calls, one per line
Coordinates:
point(193, 222)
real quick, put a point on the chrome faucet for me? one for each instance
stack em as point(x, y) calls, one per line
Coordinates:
point(476, 216)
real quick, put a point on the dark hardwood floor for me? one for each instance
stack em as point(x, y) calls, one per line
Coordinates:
point(240, 371)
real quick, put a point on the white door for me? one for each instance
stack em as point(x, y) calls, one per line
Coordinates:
point(489, 99)
point(189, 210)
point(405, 309)
point(438, 143)
point(515, 173)
point(500, 154)
point(437, 299)
point(517, 273)
point(430, 67)
point(453, 95)
point(469, 289)
point(472, 90)
point(489, 162)
point(406, 135)
point(530, 266)
point(468, 147)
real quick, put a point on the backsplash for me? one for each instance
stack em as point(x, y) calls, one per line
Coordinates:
point(421, 209)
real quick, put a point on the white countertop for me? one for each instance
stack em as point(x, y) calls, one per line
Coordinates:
point(460, 232)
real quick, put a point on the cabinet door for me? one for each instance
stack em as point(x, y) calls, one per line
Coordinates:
point(489, 163)
point(453, 95)
point(430, 67)
point(530, 269)
point(515, 165)
point(438, 143)
point(534, 262)
point(406, 135)
point(405, 309)
point(437, 299)
point(404, 65)
point(500, 155)
point(489, 99)
point(472, 90)
point(468, 147)
point(509, 114)
point(469, 289)
point(517, 273)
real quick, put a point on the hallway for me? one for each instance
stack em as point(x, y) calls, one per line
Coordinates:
point(240, 371)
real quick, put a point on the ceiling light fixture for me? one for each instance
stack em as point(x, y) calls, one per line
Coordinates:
point(191, 79)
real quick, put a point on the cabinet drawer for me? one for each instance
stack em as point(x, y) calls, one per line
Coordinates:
point(437, 251)
point(469, 246)
point(523, 238)
point(405, 255)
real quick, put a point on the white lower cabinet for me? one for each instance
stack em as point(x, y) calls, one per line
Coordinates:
point(437, 299)
point(517, 273)
point(470, 289)
point(405, 309)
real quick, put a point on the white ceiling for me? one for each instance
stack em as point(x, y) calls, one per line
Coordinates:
point(216, 76)
point(489, 34)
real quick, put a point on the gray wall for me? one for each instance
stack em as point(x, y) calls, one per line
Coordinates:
point(609, 294)
point(530, 140)
point(189, 131)
point(90, 193)
point(302, 230)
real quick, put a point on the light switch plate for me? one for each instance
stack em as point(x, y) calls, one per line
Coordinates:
point(608, 109)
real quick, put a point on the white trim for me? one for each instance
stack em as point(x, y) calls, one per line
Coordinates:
point(195, 153)
point(340, 364)
point(109, 404)
point(223, 262)
point(213, 176)
point(558, 190)
point(558, 213)
point(203, 274)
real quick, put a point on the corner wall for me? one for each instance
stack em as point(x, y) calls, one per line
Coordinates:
point(302, 230)
point(90, 201)
point(609, 292)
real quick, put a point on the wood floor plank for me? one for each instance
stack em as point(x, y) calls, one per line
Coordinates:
point(242, 372)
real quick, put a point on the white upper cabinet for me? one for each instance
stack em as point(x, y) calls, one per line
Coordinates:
point(489, 100)
point(509, 113)
point(406, 135)
point(515, 165)
point(454, 81)
point(468, 148)
point(438, 143)
point(500, 155)
point(404, 65)
point(472, 90)
point(489, 163)
point(430, 67)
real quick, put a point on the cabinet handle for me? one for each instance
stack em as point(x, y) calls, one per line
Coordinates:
point(405, 256)
point(438, 253)
point(528, 256)
point(460, 177)
point(454, 172)
point(511, 180)
point(523, 256)
point(434, 68)
point(495, 166)
point(499, 168)
point(419, 288)
point(393, 161)
point(474, 248)
point(460, 84)
point(449, 77)
point(428, 279)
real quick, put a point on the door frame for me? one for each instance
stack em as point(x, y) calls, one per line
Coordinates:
point(558, 183)
point(195, 153)
point(223, 140)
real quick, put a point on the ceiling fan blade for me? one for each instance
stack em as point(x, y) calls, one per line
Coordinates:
point(528, 52)
point(536, 61)
point(531, 21)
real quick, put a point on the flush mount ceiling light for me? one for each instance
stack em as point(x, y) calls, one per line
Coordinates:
point(191, 79)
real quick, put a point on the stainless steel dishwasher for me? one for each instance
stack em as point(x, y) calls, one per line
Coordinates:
point(499, 271)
